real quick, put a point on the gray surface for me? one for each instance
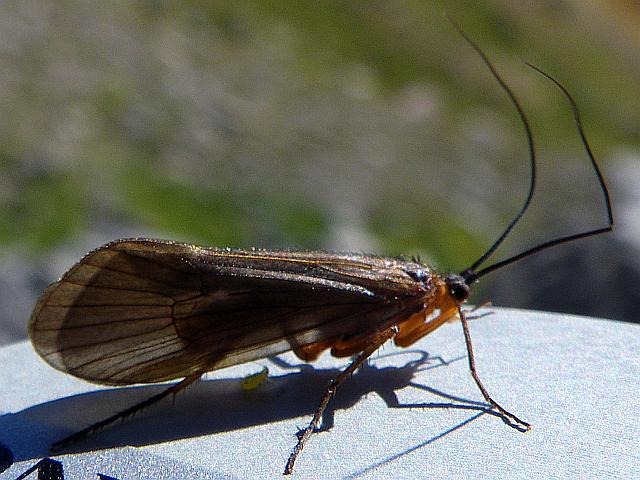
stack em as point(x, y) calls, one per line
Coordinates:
point(575, 379)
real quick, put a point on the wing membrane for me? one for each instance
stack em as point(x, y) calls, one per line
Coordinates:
point(142, 311)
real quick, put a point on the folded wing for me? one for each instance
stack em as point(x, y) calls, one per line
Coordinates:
point(144, 311)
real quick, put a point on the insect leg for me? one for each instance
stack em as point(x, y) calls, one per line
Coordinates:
point(472, 367)
point(330, 391)
point(172, 390)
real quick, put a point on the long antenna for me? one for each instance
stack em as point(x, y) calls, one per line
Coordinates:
point(470, 275)
point(532, 154)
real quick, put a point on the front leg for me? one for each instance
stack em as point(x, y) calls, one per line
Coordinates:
point(508, 416)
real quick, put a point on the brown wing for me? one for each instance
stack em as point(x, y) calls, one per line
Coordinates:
point(144, 311)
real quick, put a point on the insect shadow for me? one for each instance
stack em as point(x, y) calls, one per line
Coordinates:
point(218, 405)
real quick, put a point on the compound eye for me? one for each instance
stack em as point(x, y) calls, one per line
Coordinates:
point(460, 292)
point(458, 288)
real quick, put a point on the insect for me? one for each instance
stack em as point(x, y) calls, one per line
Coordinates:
point(255, 380)
point(146, 311)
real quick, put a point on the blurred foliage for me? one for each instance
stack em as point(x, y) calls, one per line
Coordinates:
point(341, 125)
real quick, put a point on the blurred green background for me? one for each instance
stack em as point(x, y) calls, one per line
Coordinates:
point(360, 126)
